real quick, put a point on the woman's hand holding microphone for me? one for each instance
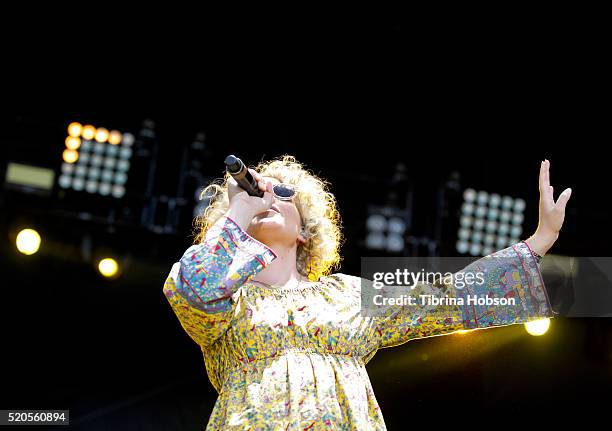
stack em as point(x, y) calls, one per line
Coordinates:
point(242, 206)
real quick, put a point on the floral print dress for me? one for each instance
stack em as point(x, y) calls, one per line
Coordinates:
point(294, 359)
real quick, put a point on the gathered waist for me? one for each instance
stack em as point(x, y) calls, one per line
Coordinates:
point(286, 352)
point(299, 350)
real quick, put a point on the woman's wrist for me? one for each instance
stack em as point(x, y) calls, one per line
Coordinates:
point(541, 242)
point(241, 214)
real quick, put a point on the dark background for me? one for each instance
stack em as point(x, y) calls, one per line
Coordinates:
point(113, 352)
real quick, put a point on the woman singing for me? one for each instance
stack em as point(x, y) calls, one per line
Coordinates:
point(283, 339)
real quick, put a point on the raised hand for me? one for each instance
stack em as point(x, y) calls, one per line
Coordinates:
point(552, 214)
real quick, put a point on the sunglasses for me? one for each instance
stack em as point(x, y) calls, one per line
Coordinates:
point(284, 192)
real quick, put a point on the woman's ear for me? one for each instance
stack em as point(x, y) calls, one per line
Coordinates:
point(302, 236)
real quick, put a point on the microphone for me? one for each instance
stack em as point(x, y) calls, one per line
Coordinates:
point(243, 177)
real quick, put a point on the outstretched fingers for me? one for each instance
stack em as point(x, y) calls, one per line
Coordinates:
point(546, 190)
point(563, 198)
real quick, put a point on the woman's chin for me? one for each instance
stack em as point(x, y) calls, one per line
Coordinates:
point(265, 224)
point(267, 217)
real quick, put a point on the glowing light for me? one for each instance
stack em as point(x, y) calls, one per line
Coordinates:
point(128, 139)
point(376, 222)
point(396, 225)
point(64, 181)
point(395, 242)
point(75, 129)
point(499, 218)
point(483, 197)
point(118, 191)
point(28, 241)
point(108, 267)
point(375, 241)
point(463, 246)
point(73, 143)
point(463, 331)
point(114, 137)
point(88, 132)
point(467, 208)
point(78, 183)
point(537, 327)
point(475, 249)
point(102, 134)
point(97, 160)
point(469, 195)
point(70, 156)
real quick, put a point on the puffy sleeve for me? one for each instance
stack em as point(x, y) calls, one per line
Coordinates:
point(200, 287)
point(511, 280)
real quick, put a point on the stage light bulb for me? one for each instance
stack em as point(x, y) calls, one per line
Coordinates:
point(467, 208)
point(463, 246)
point(28, 241)
point(128, 139)
point(73, 143)
point(397, 225)
point(101, 135)
point(108, 267)
point(88, 132)
point(469, 195)
point(75, 129)
point(494, 200)
point(537, 327)
point(482, 197)
point(375, 241)
point(70, 156)
point(519, 205)
point(376, 223)
point(395, 242)
point(114, 137)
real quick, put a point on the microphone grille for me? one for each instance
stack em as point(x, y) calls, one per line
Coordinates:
point(233, 163)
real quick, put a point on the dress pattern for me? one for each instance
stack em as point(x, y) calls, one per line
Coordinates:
point(294, 359)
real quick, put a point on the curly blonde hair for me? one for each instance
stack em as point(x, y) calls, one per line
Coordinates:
point(317, 207)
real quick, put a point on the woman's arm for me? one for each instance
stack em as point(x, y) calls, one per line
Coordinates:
point(512, 273)
point(200, 286)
